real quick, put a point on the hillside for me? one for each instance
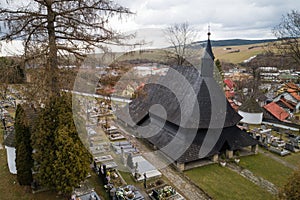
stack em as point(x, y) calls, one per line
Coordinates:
point(231, 42)
point(231, 51)
point(238, 54)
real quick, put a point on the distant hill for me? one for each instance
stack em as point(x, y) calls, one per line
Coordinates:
point(231, 42)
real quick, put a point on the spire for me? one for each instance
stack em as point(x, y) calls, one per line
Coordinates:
point(208, 45)
point(207, 61)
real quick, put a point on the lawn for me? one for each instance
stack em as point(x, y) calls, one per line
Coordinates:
point(127, 177)
point(10, 189)
point(222, 183)
point(267, 168)
point(294, 159)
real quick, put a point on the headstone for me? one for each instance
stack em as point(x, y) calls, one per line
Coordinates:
point(112, 192)
point(290, 147)
point(155, 194)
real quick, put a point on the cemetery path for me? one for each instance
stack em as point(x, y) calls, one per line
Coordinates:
point(276, 158)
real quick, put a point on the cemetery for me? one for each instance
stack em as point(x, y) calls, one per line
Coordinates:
point(282, 143)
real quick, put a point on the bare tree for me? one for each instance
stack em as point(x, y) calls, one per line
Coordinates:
point(180, 36)
point(54, 28)
point(288, 32)
point(11, 73)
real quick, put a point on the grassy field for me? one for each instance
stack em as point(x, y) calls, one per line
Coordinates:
point(245, 52)
point(238, 57)
point(222, 183)
point(267, 168)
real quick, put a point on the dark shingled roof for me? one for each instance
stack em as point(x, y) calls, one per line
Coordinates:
point(231, 138)
point(9, 141)
point(209, 49)
point(180, 127)
point(159, 94)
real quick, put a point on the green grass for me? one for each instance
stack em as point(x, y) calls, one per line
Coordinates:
point(267, 168)
point(127, 177)
point(222, 183)
point(294, 159)
point(11, 190)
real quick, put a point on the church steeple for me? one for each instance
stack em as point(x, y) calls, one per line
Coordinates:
point(208, 45)
point(207, 61)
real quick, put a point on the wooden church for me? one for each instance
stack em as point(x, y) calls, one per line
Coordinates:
point(187, 116)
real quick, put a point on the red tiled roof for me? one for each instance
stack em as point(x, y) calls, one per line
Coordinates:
point(292, 86)
point(289, 90)
point(229, 83)
point(276, 111)
point(288, 104)
point(295, 95)
point(229, 94)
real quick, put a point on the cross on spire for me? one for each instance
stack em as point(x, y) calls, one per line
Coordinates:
point(208, 33)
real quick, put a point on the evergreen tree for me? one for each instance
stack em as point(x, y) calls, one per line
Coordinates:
point(24, 162)
point(219, 66)
point(62, 160)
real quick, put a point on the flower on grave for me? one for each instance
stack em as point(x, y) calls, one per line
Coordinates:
point(130, 195)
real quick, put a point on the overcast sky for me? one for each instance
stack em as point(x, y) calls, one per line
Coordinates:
point(231, 19)
point(250, 19)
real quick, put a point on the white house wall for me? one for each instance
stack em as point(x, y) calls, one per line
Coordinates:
point(11, 157)
point(287, 96)
point(251, 118)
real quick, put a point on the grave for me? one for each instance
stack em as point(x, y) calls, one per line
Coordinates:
point(110, 129)
point(116, 136)
point(279, 151)
point(100, 148)
point(291, 147)
point(143, 166)
point(103, 158)
point(128, 192)
point(89, 196)
point(165, 193)
point(125, 145)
